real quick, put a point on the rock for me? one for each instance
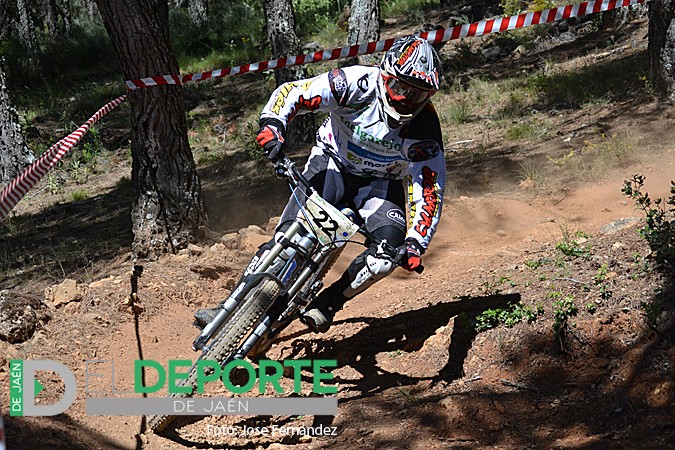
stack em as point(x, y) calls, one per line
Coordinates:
point(210, 272)
point(195, 250)
point(65, 292)
point(272, 224)
point(230, 240)
point(20, 316)
point(491, 53)
point(218, 248)
point(526, 183)
point(619, 225)
point(276, 446)
point(100, 283)
point(252, 237)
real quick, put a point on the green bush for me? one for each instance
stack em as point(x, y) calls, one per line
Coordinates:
point(659, 230)
point(313, 15)
point(509, 316)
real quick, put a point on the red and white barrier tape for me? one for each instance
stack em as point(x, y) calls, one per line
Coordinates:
point(481, 28)
point(31, 175)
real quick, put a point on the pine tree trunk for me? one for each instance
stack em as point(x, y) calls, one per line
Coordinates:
point(662, 47)
point(66, 17)
point(52, 19)
point(14, 153)
point(6, 18)
point(92, 10)
point(364, 26)
point(199, 11)
point(284, 41)
point(167, 212)
point(27, 33)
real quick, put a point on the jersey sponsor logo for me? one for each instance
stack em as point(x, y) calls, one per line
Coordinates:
point(339, 86)
point(303, 103)
point(283, 93)
point(423, 150)
point(431, 203)
point(363, 83)
point(364, 136)
point(362, 152)
point(397, 216)
point(351, 157)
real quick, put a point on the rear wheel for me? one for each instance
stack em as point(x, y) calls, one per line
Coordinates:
point(245, 317)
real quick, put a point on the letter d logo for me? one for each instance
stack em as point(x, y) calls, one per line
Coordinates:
point(23, 384)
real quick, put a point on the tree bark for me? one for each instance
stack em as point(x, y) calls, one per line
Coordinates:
point(364, 26)
point(283, 41)
point(92, 10)
point(14, 153)
point(7, 18)
point(199, 11)
point(167, 211)
point(52, 19)
point(661, 47)
point(27, 33)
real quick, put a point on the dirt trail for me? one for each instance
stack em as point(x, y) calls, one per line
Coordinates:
point(386, 400)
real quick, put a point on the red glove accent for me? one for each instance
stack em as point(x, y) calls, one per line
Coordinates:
point(271, 139)
point(411, 254)
point(267, 134)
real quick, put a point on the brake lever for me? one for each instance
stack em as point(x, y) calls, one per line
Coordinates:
point(280, 163)
point(386, 249)
point(383, 248)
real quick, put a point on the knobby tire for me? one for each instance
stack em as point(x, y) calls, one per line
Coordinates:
point(245, 317)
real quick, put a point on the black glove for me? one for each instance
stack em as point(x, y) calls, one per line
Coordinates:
point(410, 254)
point(271, 137)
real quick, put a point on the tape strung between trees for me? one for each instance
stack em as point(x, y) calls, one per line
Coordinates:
point(31, 175)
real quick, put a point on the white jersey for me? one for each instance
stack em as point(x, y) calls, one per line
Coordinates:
point(357, 137)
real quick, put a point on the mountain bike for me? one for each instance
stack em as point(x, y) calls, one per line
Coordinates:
point(279, 283)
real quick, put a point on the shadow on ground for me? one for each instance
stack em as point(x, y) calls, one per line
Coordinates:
point(54, 432)
point(605, 394)
point(72, 240)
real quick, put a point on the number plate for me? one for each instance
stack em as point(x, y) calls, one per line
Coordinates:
point(327, 222)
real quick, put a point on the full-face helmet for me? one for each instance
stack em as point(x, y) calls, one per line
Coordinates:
point(411, 75)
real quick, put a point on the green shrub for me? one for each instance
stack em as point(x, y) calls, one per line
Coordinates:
point(563, 310)
point(509, 316)
point(659, 230)
point(80, 194)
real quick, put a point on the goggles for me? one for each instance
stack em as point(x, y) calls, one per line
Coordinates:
point(404, 97)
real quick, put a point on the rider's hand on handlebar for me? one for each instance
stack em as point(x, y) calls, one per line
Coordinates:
point(410, 254)
point(271, 137)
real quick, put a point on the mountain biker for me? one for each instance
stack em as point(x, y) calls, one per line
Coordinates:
point(381, 129)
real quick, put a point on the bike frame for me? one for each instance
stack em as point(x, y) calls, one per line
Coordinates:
point(328, 229)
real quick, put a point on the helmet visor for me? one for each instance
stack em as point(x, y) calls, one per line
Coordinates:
point(404, 97)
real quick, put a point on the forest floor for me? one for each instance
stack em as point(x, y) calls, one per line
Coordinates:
point(415, 368)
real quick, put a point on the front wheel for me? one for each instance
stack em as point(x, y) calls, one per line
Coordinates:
point(245, 317)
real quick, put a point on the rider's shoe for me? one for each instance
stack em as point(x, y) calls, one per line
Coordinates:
point(320, 313)
point(204, 316)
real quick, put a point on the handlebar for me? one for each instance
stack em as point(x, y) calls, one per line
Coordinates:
point(285, 168)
